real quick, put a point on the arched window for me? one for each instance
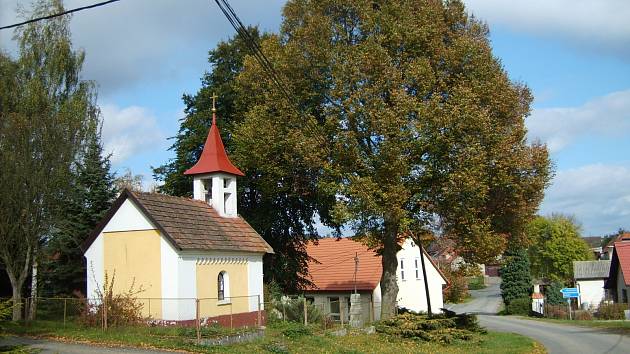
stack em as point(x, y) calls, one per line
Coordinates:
point(223, 286)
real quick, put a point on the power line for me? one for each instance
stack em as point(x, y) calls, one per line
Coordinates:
point(58, 14)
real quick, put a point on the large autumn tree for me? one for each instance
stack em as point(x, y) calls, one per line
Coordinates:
point(402, 113)
point(47, 111)
point(277, 196)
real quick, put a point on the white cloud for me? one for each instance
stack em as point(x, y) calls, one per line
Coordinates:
point(133, 43)
point(593, 25)
point(129, 131)
point(603, 116)
point(598, 195)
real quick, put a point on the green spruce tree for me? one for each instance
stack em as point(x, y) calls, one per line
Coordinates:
point(91, 197)
point(516, 281)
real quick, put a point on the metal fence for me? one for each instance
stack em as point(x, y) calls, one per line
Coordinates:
point(193, 317)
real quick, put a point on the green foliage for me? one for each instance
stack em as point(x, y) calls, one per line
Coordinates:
point(476, 283)
point(294, 310)
point(444, 328)
point(553, 296)
point(63, 268)
point(47, 114)
point(397, 136)
point(516, 281)
point(555, 243)
point(521, 306)
point(294, 330)
point(277, 195)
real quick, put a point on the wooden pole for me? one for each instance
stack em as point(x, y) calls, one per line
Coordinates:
point(341, 311)
point(64, 311)
point(259, 312)
point(198, 322)
point(305, 313)
point(284, 311)
point(105, 313)
point(231, 320)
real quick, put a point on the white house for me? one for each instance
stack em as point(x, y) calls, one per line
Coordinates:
point(332, 272)
point(177, 250)
point(590, 277)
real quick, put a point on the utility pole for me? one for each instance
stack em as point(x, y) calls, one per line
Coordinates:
point(424, 273)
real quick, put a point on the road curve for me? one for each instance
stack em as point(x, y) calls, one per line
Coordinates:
point(560, 338)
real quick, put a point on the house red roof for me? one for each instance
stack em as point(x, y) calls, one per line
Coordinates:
point(622, 251)
point(333, 266)
point(213, 157)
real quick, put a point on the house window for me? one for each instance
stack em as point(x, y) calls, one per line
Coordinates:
point(415, 262)
point(335, 309)
point(402, 269)
point(223, 286)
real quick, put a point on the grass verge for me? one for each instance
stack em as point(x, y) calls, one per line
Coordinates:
point(276, 340)
point(617, 326)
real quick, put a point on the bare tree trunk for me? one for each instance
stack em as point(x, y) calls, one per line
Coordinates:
point(17, 283)
point(389, 285)
point(33, 307)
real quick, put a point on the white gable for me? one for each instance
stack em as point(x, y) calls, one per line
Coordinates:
point(128, 218)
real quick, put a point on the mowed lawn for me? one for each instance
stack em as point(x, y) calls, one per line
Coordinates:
point(274, 341)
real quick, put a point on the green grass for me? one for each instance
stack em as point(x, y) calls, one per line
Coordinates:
point(276, 340)
point(476, 283)
point(608, 325)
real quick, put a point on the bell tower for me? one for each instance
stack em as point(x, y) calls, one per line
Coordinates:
point(214, 175)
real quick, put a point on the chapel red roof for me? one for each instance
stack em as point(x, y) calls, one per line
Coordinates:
point(213, 158)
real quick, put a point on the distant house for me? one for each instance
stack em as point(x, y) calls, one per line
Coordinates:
point(610, 246)
point(590, 278)
point(618, 281)
point(332, 271)
point(595, 244)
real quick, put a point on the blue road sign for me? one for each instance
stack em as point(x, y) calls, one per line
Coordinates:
point(569, 292)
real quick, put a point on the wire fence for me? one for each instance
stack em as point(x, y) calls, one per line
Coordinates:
point(188, 317)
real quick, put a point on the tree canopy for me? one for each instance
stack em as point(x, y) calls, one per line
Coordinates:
point(47, 111)
point(277, 196)
point(401, 112)
point(556, 243)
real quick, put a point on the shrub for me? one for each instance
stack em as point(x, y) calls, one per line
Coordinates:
point(611, 311)
point(556, 311)
point(553, 296)
point(443, 328)
point(294, 310)
point(583, 315)
point(476, 283)
point(457, 290)
point(121, 308)
point(521, 306)
point(294, 330)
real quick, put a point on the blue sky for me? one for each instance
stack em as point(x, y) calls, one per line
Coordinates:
point(573, 54)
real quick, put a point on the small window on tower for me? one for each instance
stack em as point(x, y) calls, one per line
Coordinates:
point(207, 186)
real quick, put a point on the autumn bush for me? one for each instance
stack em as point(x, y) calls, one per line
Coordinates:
point(442, 328)
point(118, 308)
point(457, 291)
point(611, 311)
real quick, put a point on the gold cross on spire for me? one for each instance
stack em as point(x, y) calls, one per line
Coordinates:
point(214, 97)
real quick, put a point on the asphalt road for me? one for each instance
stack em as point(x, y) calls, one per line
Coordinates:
point(45, 346)
point(557, 338)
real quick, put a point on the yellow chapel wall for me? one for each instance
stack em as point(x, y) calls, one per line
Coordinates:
point(134, 258)
point(207, 288)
